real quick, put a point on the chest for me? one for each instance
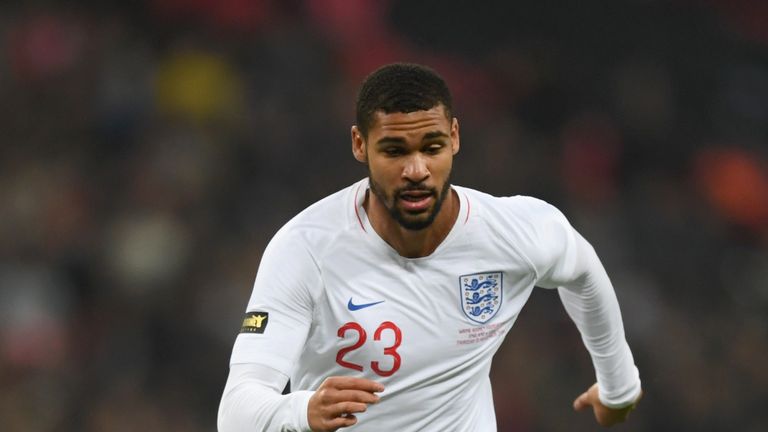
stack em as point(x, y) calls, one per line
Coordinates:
point(388, 316)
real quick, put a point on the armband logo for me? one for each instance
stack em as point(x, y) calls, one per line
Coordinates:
point(255, 322)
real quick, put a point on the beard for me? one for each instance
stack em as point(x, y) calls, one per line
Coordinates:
point(413, 221)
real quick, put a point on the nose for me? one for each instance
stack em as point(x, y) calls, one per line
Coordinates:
point(415, 169)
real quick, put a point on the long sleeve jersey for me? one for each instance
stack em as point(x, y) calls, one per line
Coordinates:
point(332, 298)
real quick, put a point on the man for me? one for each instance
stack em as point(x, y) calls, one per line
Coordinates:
point(385, 302)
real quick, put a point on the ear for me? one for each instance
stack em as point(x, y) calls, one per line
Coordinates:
point(358, 145)
point(455, 141)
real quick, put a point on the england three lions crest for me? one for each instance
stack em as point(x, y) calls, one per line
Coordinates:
point(481, 295)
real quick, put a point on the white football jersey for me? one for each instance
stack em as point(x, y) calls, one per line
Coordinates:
point(332, 298)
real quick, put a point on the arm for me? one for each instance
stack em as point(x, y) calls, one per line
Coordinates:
point(590, 301)
point(569, 263)
point(252, 401)
point(273, 335)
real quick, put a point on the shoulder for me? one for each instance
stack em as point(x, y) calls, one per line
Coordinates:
point(535, 229)
point(320, 223)
point(518, 209)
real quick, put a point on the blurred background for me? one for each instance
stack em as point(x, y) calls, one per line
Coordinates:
point(150, 149)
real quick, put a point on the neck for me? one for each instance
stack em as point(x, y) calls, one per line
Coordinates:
point(410, 243)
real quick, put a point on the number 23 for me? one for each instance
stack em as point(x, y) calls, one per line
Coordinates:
point(361, 337)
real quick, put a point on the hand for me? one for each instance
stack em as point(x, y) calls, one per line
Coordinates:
point(337, 399)
point(605, 416)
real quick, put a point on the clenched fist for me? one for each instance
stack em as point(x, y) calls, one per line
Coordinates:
point(604, 415)
point(337, 400)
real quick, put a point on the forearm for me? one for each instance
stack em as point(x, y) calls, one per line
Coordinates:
point(591, 303)
point(252, 402)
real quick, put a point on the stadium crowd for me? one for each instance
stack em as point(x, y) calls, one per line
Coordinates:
point(148, 150)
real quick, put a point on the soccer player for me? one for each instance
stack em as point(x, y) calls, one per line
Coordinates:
point(385, 302)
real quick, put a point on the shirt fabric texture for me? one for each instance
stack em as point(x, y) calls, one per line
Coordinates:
point(341, 301)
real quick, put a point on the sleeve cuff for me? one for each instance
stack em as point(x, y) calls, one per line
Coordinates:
point(300, 404)
point(623, 400)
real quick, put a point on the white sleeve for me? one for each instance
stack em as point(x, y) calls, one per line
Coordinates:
point(283, 292)
point(569, 263)
point(277, 322)
point(252, 401)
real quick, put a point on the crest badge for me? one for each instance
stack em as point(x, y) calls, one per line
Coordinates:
point(481, 295)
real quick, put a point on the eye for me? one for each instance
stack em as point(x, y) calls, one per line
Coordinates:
point(393, 151)
point(433, 149)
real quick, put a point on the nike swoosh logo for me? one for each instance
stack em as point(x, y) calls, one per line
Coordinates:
point(353, 307)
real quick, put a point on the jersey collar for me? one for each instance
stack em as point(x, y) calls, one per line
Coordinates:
point(362, 188)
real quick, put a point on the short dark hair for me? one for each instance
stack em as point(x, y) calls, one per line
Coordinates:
point(400, 88)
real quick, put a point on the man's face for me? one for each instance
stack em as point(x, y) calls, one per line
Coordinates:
point(409, 158)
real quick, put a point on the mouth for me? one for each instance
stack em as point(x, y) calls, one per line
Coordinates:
point(416, 200)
